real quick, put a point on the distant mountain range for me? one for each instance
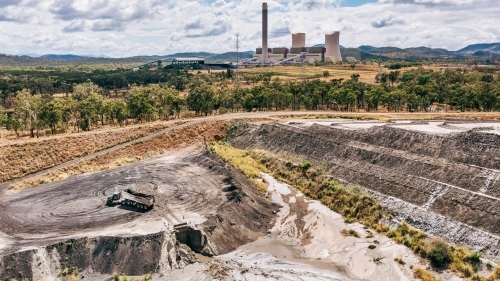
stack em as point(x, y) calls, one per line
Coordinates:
point(362, 52)
point(63, 57)
point(477, 50)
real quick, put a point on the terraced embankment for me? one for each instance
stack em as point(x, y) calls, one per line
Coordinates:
point(23, 158)
point(446, 185)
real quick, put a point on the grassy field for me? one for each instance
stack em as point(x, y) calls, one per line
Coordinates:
point(292, 72)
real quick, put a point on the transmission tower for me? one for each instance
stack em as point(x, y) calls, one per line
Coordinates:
point(303, 71)
point(237, 61)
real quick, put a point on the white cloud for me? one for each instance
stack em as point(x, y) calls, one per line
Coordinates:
point(145, 27)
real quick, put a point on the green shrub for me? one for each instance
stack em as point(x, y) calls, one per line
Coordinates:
point(475, 257)
point(306, 165)
point(440, 254)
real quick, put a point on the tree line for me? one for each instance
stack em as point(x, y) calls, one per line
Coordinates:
point(88, 105)
point(52, 82)
point(87, 108)
point(412, 91)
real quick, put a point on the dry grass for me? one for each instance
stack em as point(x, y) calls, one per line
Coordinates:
point(243, 161)
point(20, 159)
point(293, 72)
point(349, 232)
point(206, 131)
point(495, 275)
point(424, 275)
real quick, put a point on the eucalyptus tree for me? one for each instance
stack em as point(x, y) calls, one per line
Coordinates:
point(28, 109)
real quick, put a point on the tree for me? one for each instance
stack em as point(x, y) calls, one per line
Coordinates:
point(141, 105)
point(51, 114)
point(84, 90)
point(176, 102)
point(13, 124)
point(87, 112)
point(119, 111)
point(3, 119)
point(201, 99)
point(28, 108)
point(393, 76)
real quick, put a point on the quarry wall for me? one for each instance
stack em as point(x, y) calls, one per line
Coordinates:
point(447, 185)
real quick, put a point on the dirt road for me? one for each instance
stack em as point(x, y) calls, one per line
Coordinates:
point(253, 115)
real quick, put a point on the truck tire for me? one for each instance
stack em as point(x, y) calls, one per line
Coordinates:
point(124, 203)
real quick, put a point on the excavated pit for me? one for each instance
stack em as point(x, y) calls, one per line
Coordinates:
point(55, 228)
point(444, 184)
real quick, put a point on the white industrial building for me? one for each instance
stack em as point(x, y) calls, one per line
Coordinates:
point(298, 53)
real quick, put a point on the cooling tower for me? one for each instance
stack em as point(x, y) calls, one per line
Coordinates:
point(332, 44)
point(264, 33)
point(298, 40)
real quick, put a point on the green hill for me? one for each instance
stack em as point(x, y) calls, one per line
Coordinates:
point(492, 47)
point(360, 55)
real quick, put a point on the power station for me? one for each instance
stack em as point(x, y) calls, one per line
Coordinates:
point(299, 52)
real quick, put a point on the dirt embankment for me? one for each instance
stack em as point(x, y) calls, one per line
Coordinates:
point(453, 178)
point(245, 216)
point(153, 147)
point(19, 159)
point(102, 256)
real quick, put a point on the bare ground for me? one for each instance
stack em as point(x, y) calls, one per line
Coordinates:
point(192, 186)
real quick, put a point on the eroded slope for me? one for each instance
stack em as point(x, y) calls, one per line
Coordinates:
point(446, 185)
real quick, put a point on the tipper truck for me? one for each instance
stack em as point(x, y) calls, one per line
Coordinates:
point(132, 198)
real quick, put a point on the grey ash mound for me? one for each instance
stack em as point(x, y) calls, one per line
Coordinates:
point(66, 225)
point(446, 185)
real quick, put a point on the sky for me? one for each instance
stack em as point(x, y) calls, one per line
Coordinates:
point(122, 28)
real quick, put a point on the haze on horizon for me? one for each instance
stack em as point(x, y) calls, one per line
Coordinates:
point(122, 28)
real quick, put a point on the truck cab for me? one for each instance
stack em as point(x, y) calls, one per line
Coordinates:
point(114, 197)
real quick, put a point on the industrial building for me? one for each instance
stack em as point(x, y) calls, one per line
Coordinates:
point(298, 53)
point(188, 61)
point(332, 45)
point(299, 40)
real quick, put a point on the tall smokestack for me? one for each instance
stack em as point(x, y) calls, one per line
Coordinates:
point(264, 33)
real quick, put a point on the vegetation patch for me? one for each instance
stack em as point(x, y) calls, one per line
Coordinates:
point(424, 275)
point(349, 232)
point(243, 161)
